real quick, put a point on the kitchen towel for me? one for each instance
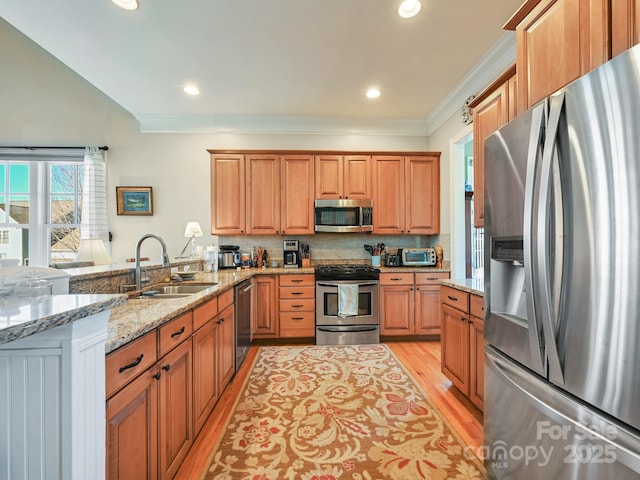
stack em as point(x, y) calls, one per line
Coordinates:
point(347, 300)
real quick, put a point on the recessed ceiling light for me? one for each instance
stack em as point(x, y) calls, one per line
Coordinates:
point(373, 93)
point(191, 90)
point(126, 4)
point(409, 8)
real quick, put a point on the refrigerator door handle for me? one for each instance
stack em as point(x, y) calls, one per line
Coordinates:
point(530, 207)
point(564, 410)
point(542, 266)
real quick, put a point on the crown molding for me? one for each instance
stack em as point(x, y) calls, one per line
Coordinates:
point(501, 56)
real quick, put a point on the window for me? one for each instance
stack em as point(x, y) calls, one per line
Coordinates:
point(40, 207)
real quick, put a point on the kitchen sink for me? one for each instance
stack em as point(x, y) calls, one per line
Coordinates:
point(174, 291)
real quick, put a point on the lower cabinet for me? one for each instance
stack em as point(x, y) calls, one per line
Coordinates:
point(264, 315)
point(297, 306)
point(462, 342)
point(156, 405)
point(410, 303)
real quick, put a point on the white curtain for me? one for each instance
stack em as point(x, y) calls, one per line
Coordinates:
point(94, 226)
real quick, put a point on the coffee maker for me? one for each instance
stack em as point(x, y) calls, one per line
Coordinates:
point(228, 256)
point(291, 253)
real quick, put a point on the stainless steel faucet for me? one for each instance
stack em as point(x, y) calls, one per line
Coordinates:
point(165, 257)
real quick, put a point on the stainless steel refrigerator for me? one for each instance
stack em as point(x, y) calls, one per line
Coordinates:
point(562, 283)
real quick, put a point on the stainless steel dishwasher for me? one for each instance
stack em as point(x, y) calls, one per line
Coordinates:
point(243, 299)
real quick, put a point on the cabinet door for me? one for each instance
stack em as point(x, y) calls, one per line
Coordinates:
point(263, 194)
point(132, 435)
point(264, 313)
point(205, 393)
point(388, 194)
point(556, 43)
point(476, 362)
point(396, 310)
point(625, 25)
point(227, 194)
point(427, 309)
point(328, 176)
point(454, 338)
point(297, 195)
point(357, 176)
point(422, 202)
point(175, 425)
point(491, 114)
point(225, 348)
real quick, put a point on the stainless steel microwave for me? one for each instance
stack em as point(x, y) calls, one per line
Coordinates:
point(344, 215)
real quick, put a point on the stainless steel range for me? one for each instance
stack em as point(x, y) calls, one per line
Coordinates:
point(347, 311)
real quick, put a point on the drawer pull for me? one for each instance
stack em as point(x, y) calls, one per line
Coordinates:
point(395, 279)
point(297, 318)
point(179, 332)
point(455, 299)
point(135, 363)
point(297, 306)
point(297, 293)
point(167, 367)
point(431, 278)
point(297, 281)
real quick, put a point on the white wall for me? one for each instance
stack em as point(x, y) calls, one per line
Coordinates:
point(46, 104)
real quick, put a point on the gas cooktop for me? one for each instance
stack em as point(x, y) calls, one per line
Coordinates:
point(347, 272)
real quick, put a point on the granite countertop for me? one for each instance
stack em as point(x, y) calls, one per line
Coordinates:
point(414, 269)
point(21, 317)
point(470, 285)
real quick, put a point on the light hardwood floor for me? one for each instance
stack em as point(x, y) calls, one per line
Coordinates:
point(422, 359)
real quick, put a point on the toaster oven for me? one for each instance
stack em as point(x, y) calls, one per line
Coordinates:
point(418, 257)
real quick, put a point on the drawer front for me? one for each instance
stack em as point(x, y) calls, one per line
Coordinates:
point(297, 324)
point(454, 297)
point(396, 278)
point(297, 280)
point(301, 305)
point(127, 362)
point(430, 278)
point(297, 292)
point(174, 332)
point(225, 299)
point(476, 306)
point(204, 313)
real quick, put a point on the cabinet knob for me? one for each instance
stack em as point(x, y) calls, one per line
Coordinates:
point(157, 376)
point(167, 367)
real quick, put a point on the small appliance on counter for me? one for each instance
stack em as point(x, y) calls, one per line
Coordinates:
point(418, 257)
point(228, 257)
point(291, 253)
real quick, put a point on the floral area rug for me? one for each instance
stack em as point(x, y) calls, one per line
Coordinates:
point(334, 413)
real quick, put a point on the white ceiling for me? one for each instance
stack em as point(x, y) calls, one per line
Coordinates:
point(276, 65)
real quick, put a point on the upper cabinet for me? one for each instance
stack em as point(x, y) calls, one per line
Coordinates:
point(557, 41)
point(491, 110)
point(343, 176)
point(262, 185)
point(625, 25)
point(406, 194)
point(296, 194)
point(227, 194)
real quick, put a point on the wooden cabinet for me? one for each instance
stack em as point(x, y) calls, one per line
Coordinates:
point(227, 194)
point(175, 417)
point(297, 306)
point(132, 413)
point(263, 194)
point(491, 110)
point(343, 176)
point(625, 25)
point(297, 195)
point(410, 305)
point(156, 405)
point(264, 314)
point(556, 42)
point(462, 342)
point(406, 194)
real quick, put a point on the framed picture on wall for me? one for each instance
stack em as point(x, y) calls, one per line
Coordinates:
point(134, 200)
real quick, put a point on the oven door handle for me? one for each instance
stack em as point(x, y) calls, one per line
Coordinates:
point(348, 329)
point(372, 284)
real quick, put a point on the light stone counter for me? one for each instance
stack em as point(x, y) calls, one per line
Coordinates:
point(22, 317)
point(474, 286)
